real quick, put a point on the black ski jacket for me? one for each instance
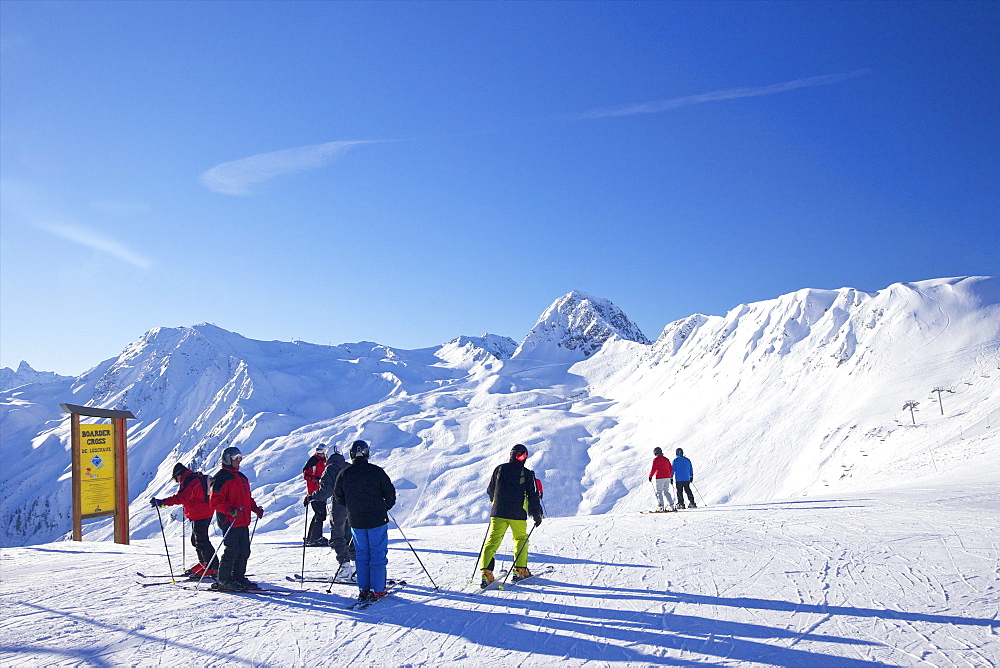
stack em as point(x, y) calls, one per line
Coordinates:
point(367, 492)
point(335, 463)
point(513, 492)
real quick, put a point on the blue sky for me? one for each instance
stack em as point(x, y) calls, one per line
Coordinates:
point(407, 173)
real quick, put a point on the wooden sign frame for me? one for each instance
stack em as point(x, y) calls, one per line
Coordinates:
point(120, 513)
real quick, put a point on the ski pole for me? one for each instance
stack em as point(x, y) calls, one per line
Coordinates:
point(699, 494)
point(411, 549)
point(183, 540)
point(479, 556)
point(304, 537)
point(254, 529)
point(165, 549)
point(516, 557)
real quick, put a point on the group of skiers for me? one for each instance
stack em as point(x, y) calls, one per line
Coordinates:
point(362, 495)
point(663, 473)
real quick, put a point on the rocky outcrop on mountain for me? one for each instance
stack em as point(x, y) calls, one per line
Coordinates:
point(580, 325)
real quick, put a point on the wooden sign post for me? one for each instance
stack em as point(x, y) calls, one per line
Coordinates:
point(100, 468)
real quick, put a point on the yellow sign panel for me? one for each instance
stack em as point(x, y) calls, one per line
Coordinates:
point(97, 468)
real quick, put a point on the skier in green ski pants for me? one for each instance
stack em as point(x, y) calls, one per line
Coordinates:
point(514, 493)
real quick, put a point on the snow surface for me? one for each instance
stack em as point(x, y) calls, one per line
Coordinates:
point(903, 577)
point(835, 528)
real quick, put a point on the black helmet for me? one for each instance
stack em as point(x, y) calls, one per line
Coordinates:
point(519, 453)
point(657, 451)
point(680, 452)
point(359, 449)
point(230, 455)
point(179, 470)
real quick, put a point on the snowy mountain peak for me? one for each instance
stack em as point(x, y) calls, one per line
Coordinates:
point(9, 378)
point(579, 323)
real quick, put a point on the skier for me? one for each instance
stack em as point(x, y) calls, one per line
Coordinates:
point(368, 494)
point(514, 493)
point(340, 527)
point(313, 473)
point(232, 503)
point(684, 475)
point(664, 474)
point(193, 495)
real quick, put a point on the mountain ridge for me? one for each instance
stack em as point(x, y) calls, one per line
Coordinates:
point(776, 397)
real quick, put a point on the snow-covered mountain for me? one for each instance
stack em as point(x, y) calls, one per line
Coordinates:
point(9, 378)
point(798, 395)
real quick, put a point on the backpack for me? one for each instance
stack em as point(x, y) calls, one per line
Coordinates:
point(205, 480)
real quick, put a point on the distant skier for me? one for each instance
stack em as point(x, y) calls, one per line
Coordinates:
point(368, 494)
point(193, 496)
point(662, 476)
point(684, 475)
point(340, 526)
point(232, 503)
point(514, 493)
point(313, 473)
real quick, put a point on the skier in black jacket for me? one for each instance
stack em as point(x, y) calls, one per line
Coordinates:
point(514, 494)
point(368, 494)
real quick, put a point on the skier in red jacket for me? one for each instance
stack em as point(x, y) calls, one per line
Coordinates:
point(663, 474)
point(313, 473)
point(193, 495)
point(232, 503)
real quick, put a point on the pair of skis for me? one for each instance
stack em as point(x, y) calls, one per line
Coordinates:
point(391, 586)
point(179, 582)
point(498, 582)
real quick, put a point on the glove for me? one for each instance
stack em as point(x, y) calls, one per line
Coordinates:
point(692, 479)
point(538, 519)
point(650, 478)
point(234, 512)
point(260, 512)
point(155, 503)
point(306, 501)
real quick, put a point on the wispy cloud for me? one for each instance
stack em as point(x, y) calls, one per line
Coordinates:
point(720, 95)
point(97, 241)
point(242, 177)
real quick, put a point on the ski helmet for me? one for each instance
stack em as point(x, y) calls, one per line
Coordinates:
point(680, 452)
point(231, 455)
point(320, 449)
point(657, 451)
point(179, 470)
point(519, 453)
point(359, 449)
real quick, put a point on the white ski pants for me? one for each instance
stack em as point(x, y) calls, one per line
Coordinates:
point(662, 487)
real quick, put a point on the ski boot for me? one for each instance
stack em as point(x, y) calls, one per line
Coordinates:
point(487, 578)
point(195, 571)
point(247, 585)
point(346, 573)
point(364, 595)
point(521, 573)
point(230, 586)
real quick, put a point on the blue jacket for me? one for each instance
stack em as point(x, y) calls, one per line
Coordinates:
point(683, 471)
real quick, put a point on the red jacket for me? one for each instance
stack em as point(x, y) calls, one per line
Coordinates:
point(231, 492)
point(313, 471)
point(661, 468)
point(193, 495)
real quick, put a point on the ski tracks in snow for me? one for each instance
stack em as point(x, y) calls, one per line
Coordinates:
point(888, 578)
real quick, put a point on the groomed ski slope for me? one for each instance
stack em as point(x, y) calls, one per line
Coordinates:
point(906, 577)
